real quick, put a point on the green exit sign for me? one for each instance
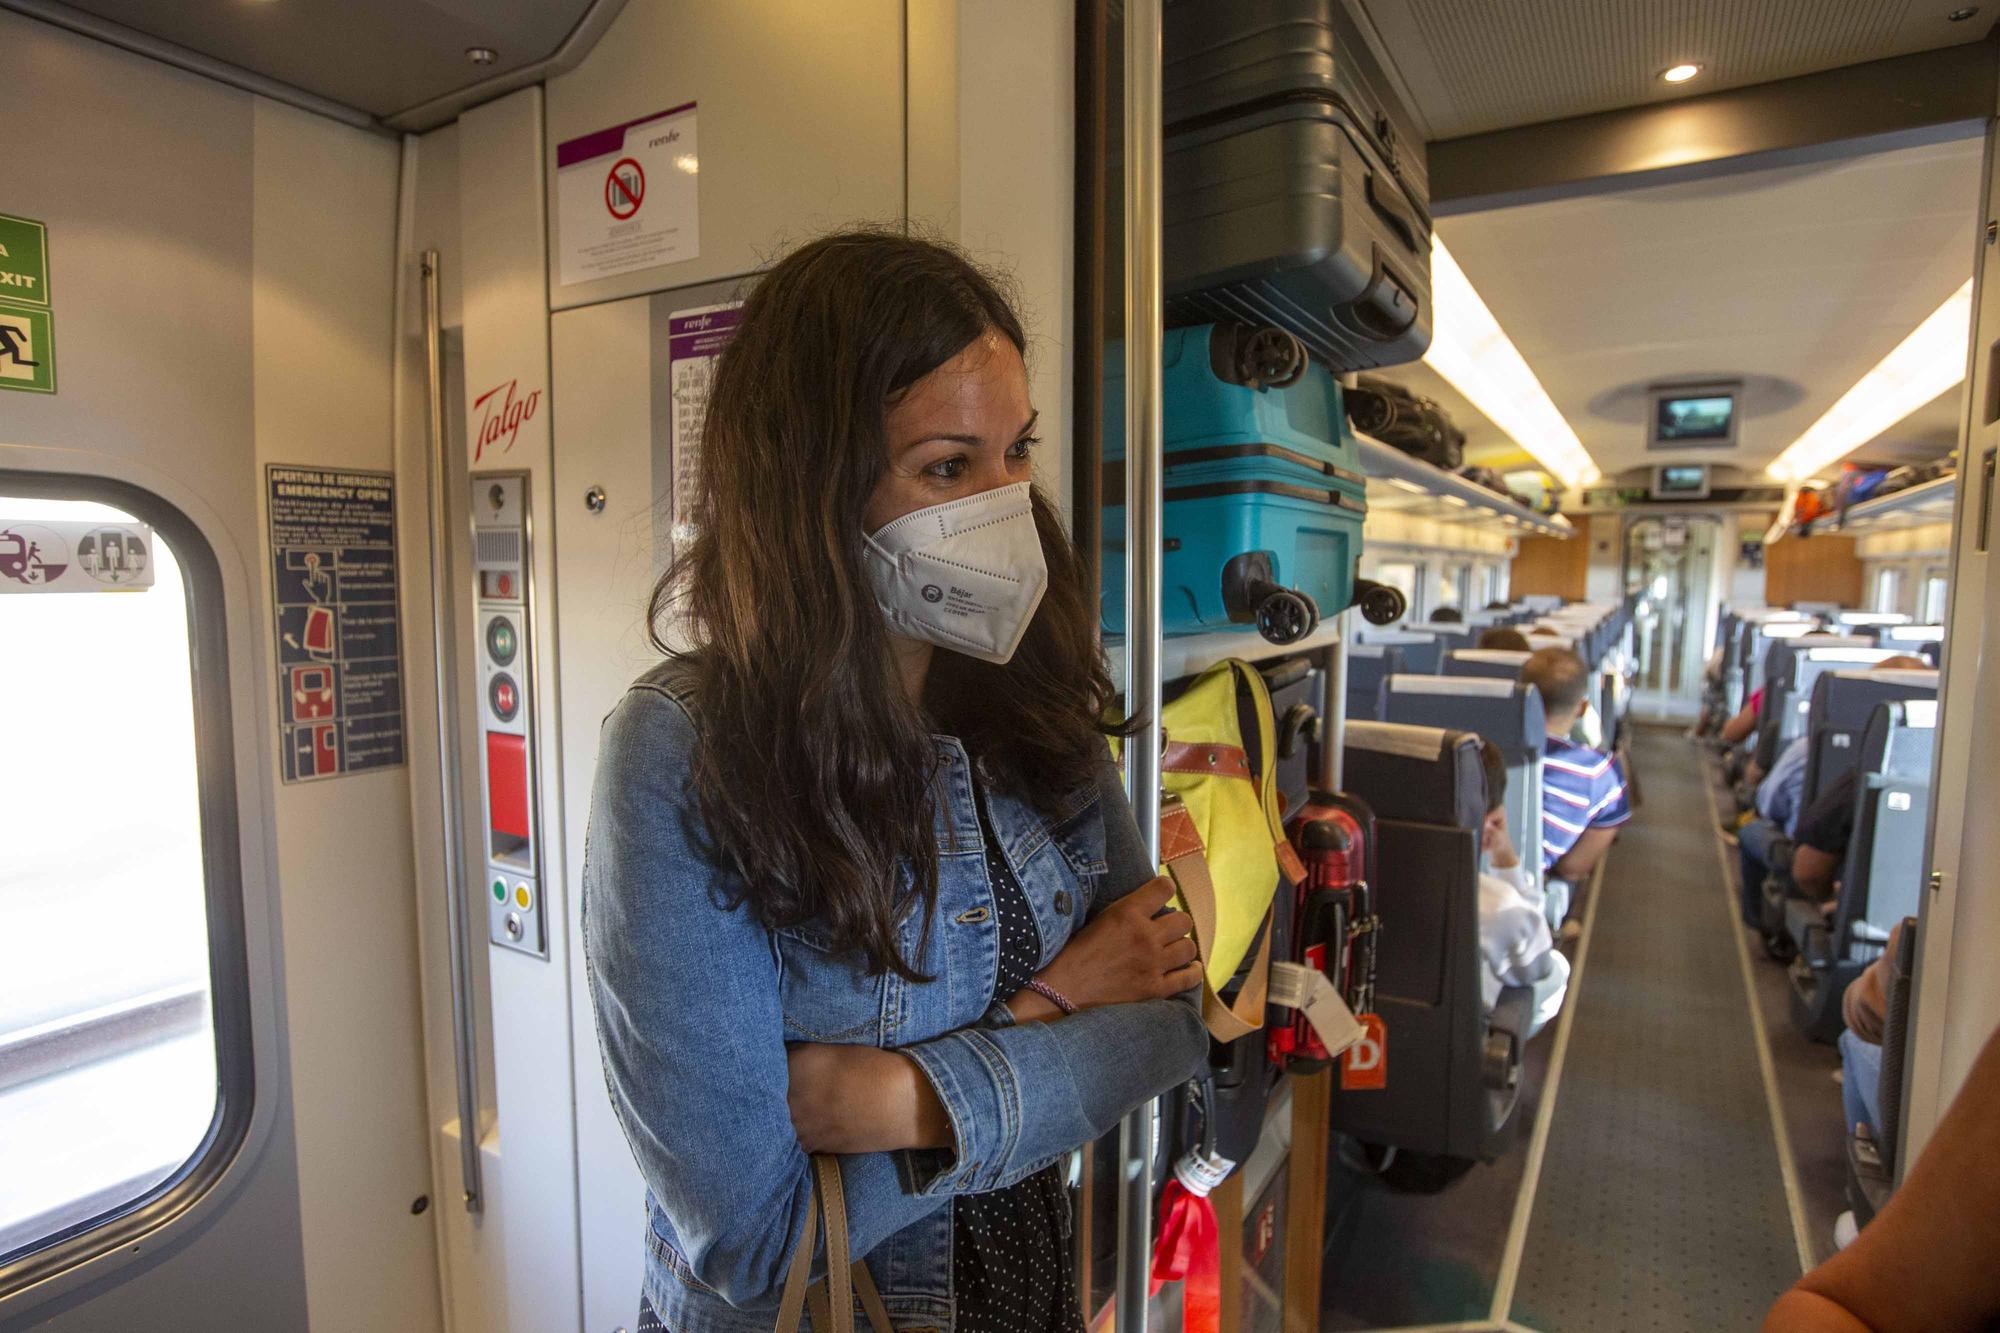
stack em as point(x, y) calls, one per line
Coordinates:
point(24, 261)
point(27, 323)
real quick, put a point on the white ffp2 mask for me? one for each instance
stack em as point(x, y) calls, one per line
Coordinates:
point(965, 575)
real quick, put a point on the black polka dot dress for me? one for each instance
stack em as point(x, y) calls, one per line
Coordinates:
point(1010, 1248)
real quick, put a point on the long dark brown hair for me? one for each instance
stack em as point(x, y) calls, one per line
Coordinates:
point(811, 768)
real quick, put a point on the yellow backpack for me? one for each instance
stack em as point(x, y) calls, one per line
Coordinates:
point(1221, 834)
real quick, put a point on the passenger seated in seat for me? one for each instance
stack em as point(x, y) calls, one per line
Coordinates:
point(1864, 1008)
point(1824, 831)
point(1503, 637)
point(1447, 615)
point(1772, 840)
point(1514, 937)
point(1583, 790)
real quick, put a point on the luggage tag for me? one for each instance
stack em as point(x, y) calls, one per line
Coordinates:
point(1306, 989)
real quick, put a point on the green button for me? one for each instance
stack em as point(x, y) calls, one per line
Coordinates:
point(499, 892)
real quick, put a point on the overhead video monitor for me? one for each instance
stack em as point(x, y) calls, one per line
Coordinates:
point(1692, 416)
point(1680, 481)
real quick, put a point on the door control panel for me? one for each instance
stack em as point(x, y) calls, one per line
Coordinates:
point(509, 815)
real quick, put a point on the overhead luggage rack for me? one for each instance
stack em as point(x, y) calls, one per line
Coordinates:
point(1431, 492)
point(1927, 502)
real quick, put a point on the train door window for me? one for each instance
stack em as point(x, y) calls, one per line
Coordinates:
point(1489, 585)
point(1930, 605)
point(124, 1040)
point(1407, 575)
point(1888, 588)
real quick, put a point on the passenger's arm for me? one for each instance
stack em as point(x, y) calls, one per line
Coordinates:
point(1740, 726)
point(690, 1027)
point(1020, 1096)
point(1576, 864)
point(1926, 1261)
point(1813, 871)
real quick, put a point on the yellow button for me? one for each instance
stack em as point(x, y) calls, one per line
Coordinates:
point(522, 898)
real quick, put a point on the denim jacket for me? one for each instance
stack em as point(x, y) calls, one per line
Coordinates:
point(695, 1005)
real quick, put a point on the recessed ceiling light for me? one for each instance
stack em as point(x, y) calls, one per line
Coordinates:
point(481, 55)
point(1679, 73)
point(1475, 355)
point(1962, 14)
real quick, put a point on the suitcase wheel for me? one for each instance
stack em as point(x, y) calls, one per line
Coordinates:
point(1381, 603)
point(1256, 358)
point(1286, 616)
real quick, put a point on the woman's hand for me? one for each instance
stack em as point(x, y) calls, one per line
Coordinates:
point(854, 1099)
point(1127, 954)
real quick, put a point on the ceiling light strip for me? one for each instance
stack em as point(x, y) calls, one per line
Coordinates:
point(1473, 353)
point(1921, 367)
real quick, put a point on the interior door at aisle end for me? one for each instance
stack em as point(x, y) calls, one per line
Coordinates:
point(1670, 566)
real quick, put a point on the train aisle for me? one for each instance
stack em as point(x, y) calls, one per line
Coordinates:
point(1661, 1202)
point(1647, 1192)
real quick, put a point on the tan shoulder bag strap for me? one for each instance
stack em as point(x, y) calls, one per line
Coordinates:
point(1181, 849)
point(832, 1298)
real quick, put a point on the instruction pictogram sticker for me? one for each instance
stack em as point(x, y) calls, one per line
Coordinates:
point(624, 188)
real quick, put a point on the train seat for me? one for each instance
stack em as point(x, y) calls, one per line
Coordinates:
point(1453, 1070)
point(1842, 703)
point(1503, 711)
point(1793, 670)
point(1908, 638)
point(1499, 663)
point(1423, 653)
point(1883, 879)
point(1368, 666)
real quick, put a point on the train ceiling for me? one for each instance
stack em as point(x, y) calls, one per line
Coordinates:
point(378, 56)
point(1796, 279)
point(1471, 66)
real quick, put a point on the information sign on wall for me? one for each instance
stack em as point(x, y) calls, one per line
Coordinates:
point(48, 555)
point(339, 654)
point(628, 197)
point(695, 339)
point(27, 324)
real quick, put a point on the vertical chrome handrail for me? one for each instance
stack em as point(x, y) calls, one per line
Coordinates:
point(1142, 576)
point(464, 1031)
point(1333, 712)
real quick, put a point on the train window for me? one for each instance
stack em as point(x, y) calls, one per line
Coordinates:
point(1407, 575)
point(1888, 588)
point(124, 1041)
point(1455, 588)
point(1930, 605)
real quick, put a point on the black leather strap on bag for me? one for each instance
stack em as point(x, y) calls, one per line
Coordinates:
point(832, 1297)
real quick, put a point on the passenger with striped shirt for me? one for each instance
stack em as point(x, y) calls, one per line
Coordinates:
point(1583, 791)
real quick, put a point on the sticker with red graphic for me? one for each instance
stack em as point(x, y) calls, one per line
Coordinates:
point(628, 197)
point(338, 649)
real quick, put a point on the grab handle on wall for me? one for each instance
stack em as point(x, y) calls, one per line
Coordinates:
point(464, 1031)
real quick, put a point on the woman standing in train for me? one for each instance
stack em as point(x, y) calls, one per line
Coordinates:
point(860, 877)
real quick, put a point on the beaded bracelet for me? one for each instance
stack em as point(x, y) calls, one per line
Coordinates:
point(1052, 995)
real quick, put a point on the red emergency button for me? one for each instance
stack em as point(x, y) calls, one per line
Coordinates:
point(505, 697)
point(506, 585)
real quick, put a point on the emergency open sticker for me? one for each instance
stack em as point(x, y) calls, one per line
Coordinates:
point(339, 654)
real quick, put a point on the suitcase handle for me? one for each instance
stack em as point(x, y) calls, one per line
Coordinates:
point(1388, 306)
point(1392, 209)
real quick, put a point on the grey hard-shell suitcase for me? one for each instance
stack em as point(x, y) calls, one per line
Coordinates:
point(1293, 180)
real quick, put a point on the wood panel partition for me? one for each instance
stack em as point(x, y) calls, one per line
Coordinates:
point(1551, 566)
point(1822, 568)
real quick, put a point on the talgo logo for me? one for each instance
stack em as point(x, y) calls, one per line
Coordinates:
point(933, 593)
point(501, 420)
